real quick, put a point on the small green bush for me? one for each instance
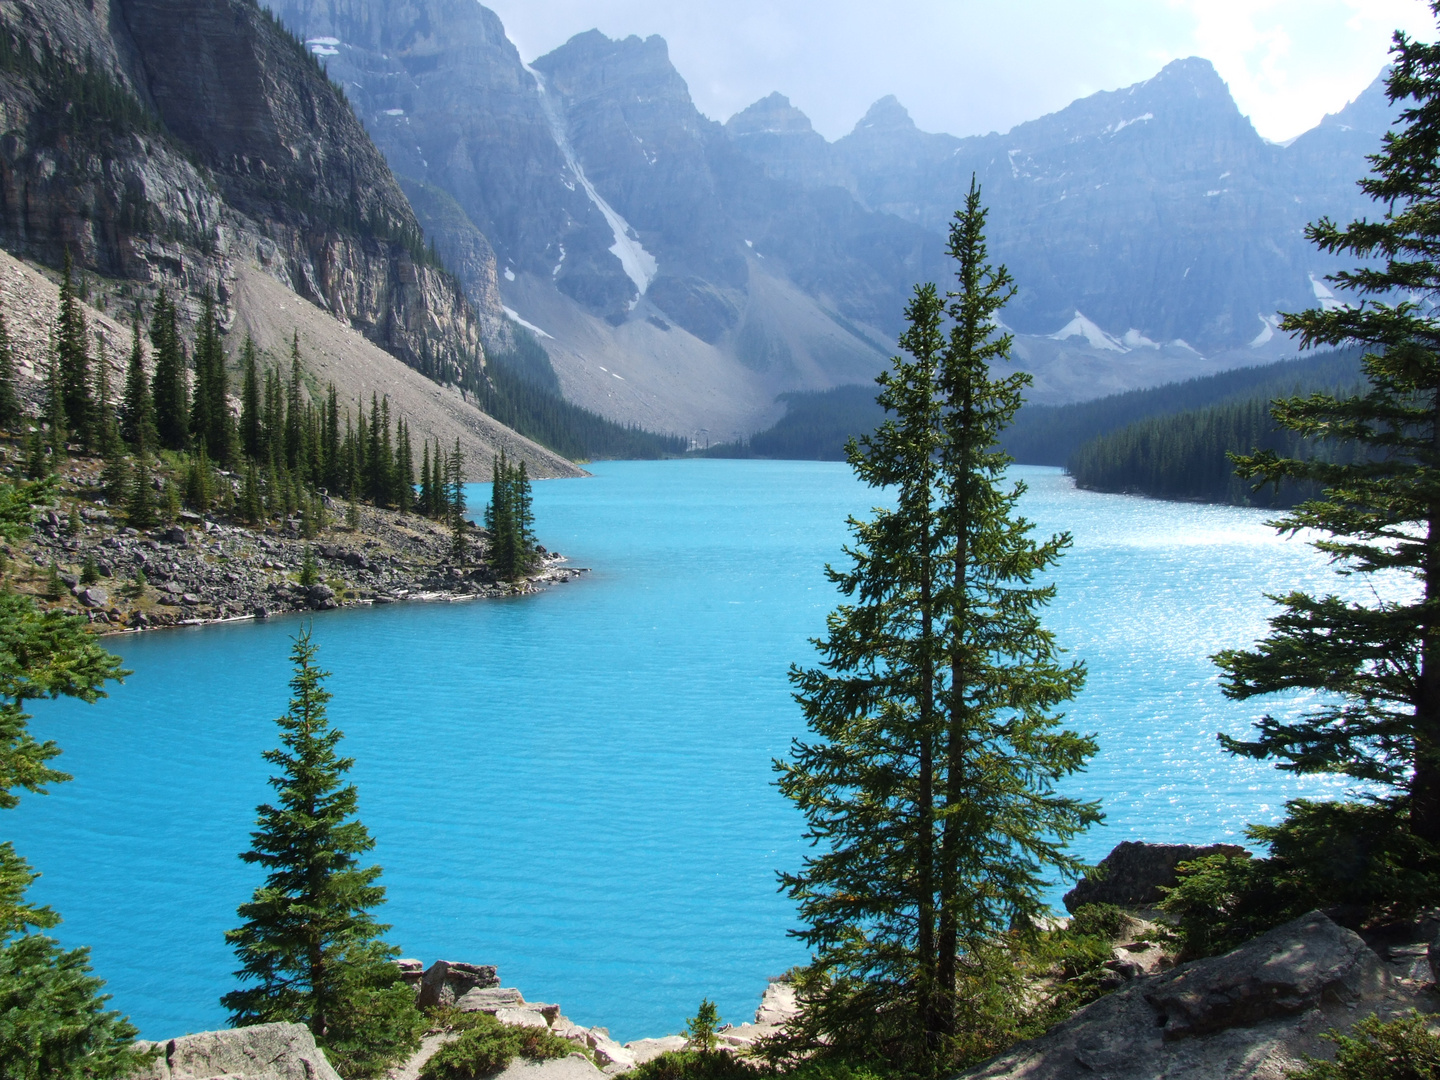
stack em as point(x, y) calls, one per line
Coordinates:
point(1357, 859)
point(1402, 1049)
point(700, 1028)
point(1097, 920)
point(700, 1065)
point(486, 1046)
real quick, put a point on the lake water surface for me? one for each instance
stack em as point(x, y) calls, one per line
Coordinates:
point(576, 786)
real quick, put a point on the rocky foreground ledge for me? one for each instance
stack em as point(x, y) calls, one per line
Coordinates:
point(205, 569)
point(288, 1051)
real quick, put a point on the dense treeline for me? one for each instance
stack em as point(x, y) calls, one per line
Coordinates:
point(284, 453)
point(1050, 434)
point(1186, 456)
point(521, 391)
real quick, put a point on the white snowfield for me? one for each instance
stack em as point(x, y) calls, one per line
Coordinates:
point(640, 266)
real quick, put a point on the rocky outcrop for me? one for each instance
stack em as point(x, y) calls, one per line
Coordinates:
point(1135, 874)
point(263, 1052)
point(1251, 1013)
point(446, 981)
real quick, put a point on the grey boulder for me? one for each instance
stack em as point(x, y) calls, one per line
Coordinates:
point(1290, 970)
point(262, 1052)
point(1251, 1013)
point(446, 981)
point(1134, 873)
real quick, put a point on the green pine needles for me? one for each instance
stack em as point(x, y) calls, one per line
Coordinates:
point(1377, 660)
point(310, 950)
point(928, 780)
point(510, 519)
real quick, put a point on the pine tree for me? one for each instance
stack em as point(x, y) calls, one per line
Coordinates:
point(167, 388)
point(107, 429)
point(138, 424)
point(334, 459)
point(199, 492)
point(455, 492)
point(524, 518)
point(10, 411)
point(928, 780)
point(252, 505)
point(251, 414)
point(404, 471)
point(296, 452)
point(72, 351)
point(310, 949)
point(210, 421)
point(1378, 662)
point(427, 494)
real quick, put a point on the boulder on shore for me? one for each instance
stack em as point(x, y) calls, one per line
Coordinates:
point(1134, 873)
point(262, 1052)
point(1253, 1012)
point(446, 981)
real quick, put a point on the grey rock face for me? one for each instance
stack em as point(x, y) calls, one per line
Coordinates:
point(263, 1052)
point(1251, 1013)
point(446, 981)
point(1288, 971)
point(1134, 873)
point(247, 153)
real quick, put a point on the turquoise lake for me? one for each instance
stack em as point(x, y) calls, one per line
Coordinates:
point(577, 786)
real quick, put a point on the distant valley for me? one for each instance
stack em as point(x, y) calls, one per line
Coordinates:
point(681, 273)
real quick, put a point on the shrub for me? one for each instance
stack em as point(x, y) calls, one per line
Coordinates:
point(1402, 1049)
point(699, 1065)
point(486, 1046)
point(700, 1028)
point(1357, 860)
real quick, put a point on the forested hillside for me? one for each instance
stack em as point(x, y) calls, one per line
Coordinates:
point(1050, 435)
point(1185, 455)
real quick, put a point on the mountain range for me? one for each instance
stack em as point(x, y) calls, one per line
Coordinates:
point(434, 213)
point(681, 272)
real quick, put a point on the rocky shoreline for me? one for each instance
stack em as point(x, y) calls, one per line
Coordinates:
point(206, 569)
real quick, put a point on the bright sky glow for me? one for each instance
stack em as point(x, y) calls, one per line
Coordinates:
point(972, 66)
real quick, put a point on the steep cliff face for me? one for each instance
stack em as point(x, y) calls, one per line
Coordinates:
point(447, 99)
point(172, 142)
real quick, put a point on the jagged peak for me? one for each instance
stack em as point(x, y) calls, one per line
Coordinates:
point(887, 114)
point(1192, 74)
point(772, 115)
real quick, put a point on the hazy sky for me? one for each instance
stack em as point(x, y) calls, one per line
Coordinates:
point(972, 66)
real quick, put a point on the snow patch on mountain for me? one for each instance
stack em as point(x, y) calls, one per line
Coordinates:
point(1328, 300)
point(1082, 327)
point(1134, 339)
point(640, 266)
point(1268, 325)
point(514, 316)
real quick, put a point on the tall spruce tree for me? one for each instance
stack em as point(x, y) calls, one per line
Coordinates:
point(211, 425)
point(167, 388)
point(1378, 661)
point(928, 781)
point(310, 949)
point(10, 411)
point(455, 500)
point(72, 350)
point(251, 411)
point(137, 408)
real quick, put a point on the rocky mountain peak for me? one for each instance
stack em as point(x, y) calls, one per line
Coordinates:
point(773, 115)
point(886, 115)
point(1193, 76)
